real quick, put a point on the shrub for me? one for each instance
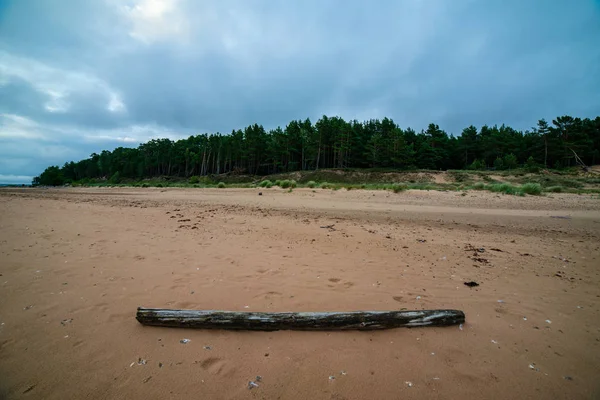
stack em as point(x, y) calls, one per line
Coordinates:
point(502, 188)
point(115, 178)
point(398, 187)
point(277, 183)
point(311, 184)
point(478, 186)
point(325, 185)
point(194, 179)
point(476, 165)
point(498, 163)
point(221, 185)
point(534, 189)
point(145, 185)
point(532, 165)
point(266, 184)
point(557, 165)
point(555, 189)
point(288, 184)
point(510, 161)
point(458, 176)
point(159, 185)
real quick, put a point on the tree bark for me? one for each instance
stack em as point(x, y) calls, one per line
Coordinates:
point(546, 150)
point(259, 321)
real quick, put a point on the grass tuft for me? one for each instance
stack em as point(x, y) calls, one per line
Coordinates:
point(288, 184)
point(398, 187)
point(534, 189)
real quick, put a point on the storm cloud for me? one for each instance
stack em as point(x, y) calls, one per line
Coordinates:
point(78, 77)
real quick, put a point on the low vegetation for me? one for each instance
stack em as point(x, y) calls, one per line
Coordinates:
point(285, 184)
point(518, 182)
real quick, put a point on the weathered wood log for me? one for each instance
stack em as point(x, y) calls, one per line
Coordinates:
point(260, 321)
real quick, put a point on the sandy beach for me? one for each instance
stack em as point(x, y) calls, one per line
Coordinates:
point(75, 263)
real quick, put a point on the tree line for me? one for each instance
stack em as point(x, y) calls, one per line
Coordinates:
point(333, 142)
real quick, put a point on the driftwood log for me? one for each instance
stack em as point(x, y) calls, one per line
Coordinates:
point(315, 321)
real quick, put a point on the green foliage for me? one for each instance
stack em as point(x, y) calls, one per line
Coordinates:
point(534, 189)
point(332, 142)
point(510, 161)
point(505, 188)
point(398, 187)
point(221, 185)
point(266, 184)
point(277, 183)
point(478, 186)
point(531, 165)
point(325, 185)
point(288, 184)
point(558, 165)
point(554, 189)
point(555, 180)
point(115, 178)
point(52, 176)
point(498, 163)
point(311, 184)
point(459, 176)
point(477, 165)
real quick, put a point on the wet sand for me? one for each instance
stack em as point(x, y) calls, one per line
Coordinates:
point(76, 263)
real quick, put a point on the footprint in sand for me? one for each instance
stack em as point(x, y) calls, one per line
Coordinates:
point(217, 366)
point(334, 280)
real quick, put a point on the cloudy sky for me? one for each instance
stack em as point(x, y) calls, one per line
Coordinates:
point(78, 77)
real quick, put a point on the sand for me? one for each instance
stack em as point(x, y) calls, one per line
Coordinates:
point(76, 263)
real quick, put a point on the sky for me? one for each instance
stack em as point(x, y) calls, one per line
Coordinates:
point(78, 77)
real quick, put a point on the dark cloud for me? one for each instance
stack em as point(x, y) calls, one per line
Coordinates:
point(77, 77)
